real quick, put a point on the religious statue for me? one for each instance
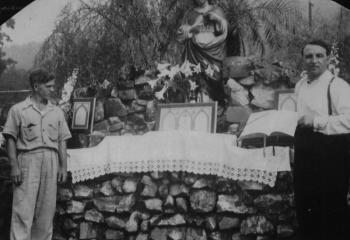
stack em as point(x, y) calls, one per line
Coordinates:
point(204, 32)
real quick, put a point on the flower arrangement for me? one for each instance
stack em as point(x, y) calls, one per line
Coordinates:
point(187, 80)
point(67, 90)
point(334, 59)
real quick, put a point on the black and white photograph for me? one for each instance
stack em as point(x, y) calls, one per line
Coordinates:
point(174, 120)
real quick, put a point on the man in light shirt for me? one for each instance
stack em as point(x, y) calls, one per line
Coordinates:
point(36, 133)
point(321, 169)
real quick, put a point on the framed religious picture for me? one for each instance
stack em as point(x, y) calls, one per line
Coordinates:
point(285, 100)
point(187, 117)
point(83, 114)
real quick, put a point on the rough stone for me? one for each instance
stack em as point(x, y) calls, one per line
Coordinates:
point(284, 231)
point(270, 200)
point(195, 220)
point(106, 204)
point(174, 220)
point(190, 179)
point(228, 203)
point(102, 126)
point(114, 107)
point(116, 127)
point(163, 190)
point(210, 223)
point(93, 215)
point(64, 194)
point(74, 207)
point(135, 107)
point(117, 184)
point(157, 175)
point(142, 236)
point(115, 222)
point(125, 203)
point(177, 233)
point(153, 204)
point(128, 94)
point(145, 226)
point(195, 234)
point(111, 234)
point(130, 185)
point(114, 120)
point(256, 225)
point(203, 201)
point(150, 188)
point(69, 224)
point(181, 205)
point(169, 202)
point(87, 231)
point(202, 183)
point(107, 189)
point(228, 223)
point(83, 191)
point(132, 223)
point(179, 190)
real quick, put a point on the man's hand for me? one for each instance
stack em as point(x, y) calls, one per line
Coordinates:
point(61, 175)
point(306, 121)
point(16, 175)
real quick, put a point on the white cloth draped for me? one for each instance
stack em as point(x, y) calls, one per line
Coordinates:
point(200, 153)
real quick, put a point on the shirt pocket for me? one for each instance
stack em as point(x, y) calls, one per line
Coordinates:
point(30, 131)
point(52, 132)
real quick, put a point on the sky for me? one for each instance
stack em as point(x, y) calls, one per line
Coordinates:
point(37, 20)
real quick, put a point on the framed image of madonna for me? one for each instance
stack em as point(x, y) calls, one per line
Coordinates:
point(285, 100)
point(187, 117)
point(83, 114)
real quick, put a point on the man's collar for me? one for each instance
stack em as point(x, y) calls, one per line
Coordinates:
point(325, 75)
point(29, 102)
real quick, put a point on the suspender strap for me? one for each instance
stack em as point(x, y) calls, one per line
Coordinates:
point(329, 97)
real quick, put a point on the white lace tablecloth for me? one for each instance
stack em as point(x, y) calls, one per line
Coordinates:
point(194, 152)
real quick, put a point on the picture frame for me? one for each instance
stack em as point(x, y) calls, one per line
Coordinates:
point(200, 117)
point(83, 115)
point(286, 100)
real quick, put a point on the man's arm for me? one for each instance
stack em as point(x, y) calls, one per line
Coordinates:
point(62, 160)
point(15, 168)
point(338, 123)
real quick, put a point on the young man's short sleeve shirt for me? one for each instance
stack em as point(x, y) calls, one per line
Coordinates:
point(33, 129)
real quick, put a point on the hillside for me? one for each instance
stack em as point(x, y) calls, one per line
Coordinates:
point(23, 54)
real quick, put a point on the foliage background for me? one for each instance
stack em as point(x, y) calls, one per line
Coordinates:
point(111, 40)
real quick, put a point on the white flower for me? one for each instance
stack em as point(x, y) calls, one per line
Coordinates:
point(162, 66)
point(193, 85)
point(2, 139)
point(153, 82)
point(173, 71)
point(160, 95)
point(197, 68)
point(105, 84)
point(186, 69)
point(209, 71)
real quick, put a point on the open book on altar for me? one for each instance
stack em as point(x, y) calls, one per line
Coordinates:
point(270, 123)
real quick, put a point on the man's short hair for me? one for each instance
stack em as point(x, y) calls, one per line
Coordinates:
point(39, 76)
point(320, 43)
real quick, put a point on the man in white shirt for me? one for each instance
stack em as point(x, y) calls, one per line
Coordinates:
point(321, 169)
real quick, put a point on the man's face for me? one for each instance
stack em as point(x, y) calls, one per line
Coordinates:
point(315, 60)
point(45, 90)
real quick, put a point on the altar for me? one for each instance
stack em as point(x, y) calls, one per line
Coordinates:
point(174, 151)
